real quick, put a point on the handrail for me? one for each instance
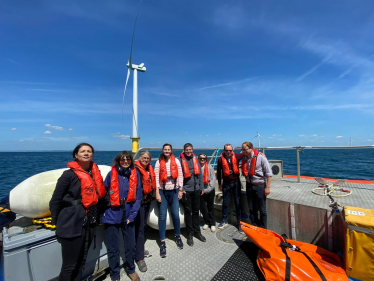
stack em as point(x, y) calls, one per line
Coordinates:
point(297, 148)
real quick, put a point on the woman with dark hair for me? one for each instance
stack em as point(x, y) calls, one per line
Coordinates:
point(124, 195)
point(74, 210)
point(169, 190)
point(147, 176)
point(207, 199)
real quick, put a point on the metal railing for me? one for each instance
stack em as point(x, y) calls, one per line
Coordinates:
point(215, 152)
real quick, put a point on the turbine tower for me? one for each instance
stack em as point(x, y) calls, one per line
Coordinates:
point(135, 132)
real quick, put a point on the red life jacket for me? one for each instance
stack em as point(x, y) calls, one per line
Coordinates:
point(186, 169)
point(114, 188)
point(148, 180)
point(225, 165)
point(206, 173)
point(253, 164)
point(93, 188)
point(173, 169)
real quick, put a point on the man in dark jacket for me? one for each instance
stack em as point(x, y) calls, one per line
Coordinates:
point(228, 171)
point(193, 188)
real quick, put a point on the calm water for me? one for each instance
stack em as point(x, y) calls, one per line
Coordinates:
point(332, 163)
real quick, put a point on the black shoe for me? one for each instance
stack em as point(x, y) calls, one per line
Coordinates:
point(200, 237)
point(190, 239)
point(163, 250)
point(179, 242)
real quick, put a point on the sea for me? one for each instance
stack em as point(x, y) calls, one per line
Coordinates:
point(356, 164)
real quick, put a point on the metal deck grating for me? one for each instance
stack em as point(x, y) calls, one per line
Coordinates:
point(200, 262)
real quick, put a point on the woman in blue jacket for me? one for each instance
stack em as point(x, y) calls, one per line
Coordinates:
point(124, 193)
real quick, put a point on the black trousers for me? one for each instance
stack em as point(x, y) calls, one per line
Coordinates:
point(73, 253)
point(207, 208)
point(140, 222)
point(191, 211)
point(257, 203)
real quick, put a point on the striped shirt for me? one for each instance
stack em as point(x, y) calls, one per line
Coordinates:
point(170, 184)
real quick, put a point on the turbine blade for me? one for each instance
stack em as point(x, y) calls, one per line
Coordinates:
point(124, 92)
point(338, 182)
point(133, 34)
point(254, 137)
point(320, 180)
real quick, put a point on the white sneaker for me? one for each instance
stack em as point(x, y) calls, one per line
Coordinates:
point(205, 227)
point(213, 229)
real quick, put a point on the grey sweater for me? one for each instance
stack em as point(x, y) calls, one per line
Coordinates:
point(209, 187)
point(195, 182)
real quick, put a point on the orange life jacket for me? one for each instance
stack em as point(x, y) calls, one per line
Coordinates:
point(206, 173)
point(186, 169)
point(173, 169)
point(114, 188)
point(148, 180)
point(253, 164)
point(282, 259)
point(93, 188)
point(225, 165)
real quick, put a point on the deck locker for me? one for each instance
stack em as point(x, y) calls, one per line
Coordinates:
point(359, 243)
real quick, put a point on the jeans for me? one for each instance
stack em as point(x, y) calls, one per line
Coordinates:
point(168, 197)
point(227, 188)
point(257, 202)
point(112, 243)
point(191, 211)
point(73, 254)
point(207, 208)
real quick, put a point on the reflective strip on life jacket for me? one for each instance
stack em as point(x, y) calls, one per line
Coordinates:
point(253, 164)
point(114, 188)
point(173, 169)
point(225, 165)
point(186, 169)
point(148, 180)
point(93, 188)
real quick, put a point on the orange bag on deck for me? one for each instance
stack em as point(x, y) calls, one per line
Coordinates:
point(290, 260)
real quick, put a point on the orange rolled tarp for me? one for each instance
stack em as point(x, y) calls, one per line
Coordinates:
point(290, 260)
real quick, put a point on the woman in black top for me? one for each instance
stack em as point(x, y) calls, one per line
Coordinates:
point(74, 210)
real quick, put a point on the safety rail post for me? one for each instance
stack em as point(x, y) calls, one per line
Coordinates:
point(298, 163)
point(263, 150)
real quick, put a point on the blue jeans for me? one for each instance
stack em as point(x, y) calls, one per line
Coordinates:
point(168, 197)
point(235, 189)
point(257, 202)
point(113, 251)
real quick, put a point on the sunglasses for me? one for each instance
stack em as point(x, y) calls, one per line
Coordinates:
point(228, 150)
point(125, 160)
point(202, 158)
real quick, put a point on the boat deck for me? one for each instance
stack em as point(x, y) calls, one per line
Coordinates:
point(287, 189)
point(224, 256)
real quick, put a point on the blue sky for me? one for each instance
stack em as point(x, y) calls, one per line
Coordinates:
point(300, 71)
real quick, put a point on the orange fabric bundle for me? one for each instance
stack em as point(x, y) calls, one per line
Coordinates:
point(281, 259)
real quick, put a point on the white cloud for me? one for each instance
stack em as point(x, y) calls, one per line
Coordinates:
point(47, 132)
point(13, 129)
point(218, 134)
point(369, 140)
point(305, 136)
point(70, 129)
point(58, 128)
point(339, 137)
point(276, 135)
point(118, 135)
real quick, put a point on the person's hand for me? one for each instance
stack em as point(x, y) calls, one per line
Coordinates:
point(202, 192)
point(180, 194)
point(128, 221)
point(220, 187)
point(267, 190)
point(158, 197)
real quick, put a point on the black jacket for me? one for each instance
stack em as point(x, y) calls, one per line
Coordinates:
point(66, 210)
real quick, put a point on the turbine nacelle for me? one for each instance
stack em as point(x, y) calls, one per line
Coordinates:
point(139, 67)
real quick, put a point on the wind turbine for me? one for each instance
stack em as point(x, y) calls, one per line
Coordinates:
point(258, 136)
point(135, 133)
point(350, 141)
